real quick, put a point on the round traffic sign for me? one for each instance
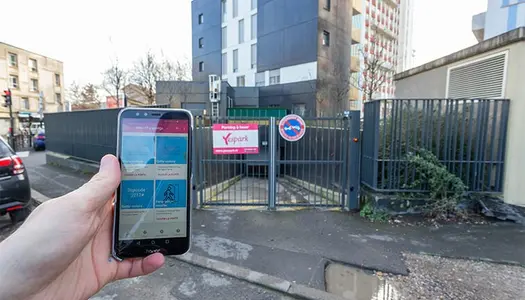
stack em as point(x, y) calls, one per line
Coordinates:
point(292, 128)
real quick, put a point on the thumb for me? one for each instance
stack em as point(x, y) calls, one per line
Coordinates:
point(99, 190)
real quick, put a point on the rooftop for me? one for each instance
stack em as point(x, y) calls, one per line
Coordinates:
point(30, 51)
point(511, 37)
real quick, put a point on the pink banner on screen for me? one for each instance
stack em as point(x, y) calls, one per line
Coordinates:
point(154, 126)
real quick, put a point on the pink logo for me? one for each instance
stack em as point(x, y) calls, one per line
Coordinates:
point(234, 140)
point(225, 138)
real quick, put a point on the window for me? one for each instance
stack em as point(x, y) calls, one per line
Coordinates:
point(201, 42)
point(201, 19)
point(33, 66)
point(25, 103)
point(254, 55)
point(254, 27)
point(240, 81)
point(241, 31)
point(58, 98)
point(327, 4)
point(235, 60)
point(254, 4)
point(13, 60)
point(224, 38)
point(235, 8)
point(13, 81)
point(275, 76)
point(201, 66)
point(224, 63)
point(34, 85)
point(299, 109)
point(326, 38)
point(57, 79)
point(260, 79)
point(224, 4)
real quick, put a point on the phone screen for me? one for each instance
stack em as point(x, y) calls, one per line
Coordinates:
point(153, 195)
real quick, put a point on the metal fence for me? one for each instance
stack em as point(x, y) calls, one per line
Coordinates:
point(466, 135)
point(85, 134)
point(320, 170)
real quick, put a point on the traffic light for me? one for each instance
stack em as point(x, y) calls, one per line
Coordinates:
point(7, 96)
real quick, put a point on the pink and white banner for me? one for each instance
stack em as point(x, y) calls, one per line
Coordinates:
point(235, 139)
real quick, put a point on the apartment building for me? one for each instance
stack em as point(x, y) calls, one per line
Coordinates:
point(387, 38)
point(296, 53)
point(36, 83)
point(501, 16)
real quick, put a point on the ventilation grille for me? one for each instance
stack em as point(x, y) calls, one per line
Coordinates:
point(481, 79)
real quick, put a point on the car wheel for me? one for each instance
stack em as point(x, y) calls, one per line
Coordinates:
point(19, 215)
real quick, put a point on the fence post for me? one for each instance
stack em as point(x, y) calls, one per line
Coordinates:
point(354, 160)
point(271, 164)
point(194, 202)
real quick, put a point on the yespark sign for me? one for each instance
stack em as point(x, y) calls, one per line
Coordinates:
point(235, 139)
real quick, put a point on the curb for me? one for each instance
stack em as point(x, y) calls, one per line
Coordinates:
point(38, 198)
point(261, 279)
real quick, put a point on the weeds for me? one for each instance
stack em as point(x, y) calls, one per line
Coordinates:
point(374, 215)
point(446, 189)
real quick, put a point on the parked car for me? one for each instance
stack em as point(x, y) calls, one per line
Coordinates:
point(15, 192)
point(36, 127)
point(39, 140)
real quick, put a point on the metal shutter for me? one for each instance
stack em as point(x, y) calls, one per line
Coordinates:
point(480, 79)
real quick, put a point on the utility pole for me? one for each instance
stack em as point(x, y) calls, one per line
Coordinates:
point(9, 103)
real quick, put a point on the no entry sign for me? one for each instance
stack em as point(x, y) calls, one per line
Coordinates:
point(292, 128)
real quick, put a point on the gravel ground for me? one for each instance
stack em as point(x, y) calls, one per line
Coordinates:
point(442, 278)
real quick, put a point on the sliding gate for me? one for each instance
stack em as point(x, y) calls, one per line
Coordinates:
point(320, 170)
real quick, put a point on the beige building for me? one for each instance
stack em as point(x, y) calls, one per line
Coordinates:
point(29, 76)
point(491, 69)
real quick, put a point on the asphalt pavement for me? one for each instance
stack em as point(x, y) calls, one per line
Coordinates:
point(298, 245)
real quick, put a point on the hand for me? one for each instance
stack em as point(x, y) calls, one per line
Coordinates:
point(63, 250)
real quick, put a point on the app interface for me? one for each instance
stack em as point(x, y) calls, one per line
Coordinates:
point(153, 195)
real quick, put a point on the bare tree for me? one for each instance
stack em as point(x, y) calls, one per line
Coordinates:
point(85, 97)
point(375, 71)
point(74, 93)
point(114, 79)
point(333, 86)
point(145, 74)
point(148, 70)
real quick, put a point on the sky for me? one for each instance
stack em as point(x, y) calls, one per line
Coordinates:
point(87, 35)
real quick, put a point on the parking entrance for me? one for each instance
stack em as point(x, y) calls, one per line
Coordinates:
point(274, 162)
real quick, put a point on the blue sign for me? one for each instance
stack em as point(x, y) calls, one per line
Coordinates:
point(292, 128)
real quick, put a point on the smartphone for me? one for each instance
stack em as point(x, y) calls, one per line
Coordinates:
point(152, 205)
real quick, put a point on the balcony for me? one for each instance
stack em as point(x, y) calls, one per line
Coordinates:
point(356, 36)
point(392, 3)
point(383, 30)
point(354, 64)
point(353, 94)
point(357, 7)
point(478, 26)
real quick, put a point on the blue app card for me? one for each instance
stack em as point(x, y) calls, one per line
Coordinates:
point(138, 149)
point(172, 150)
point(170, 193)
point(136, 194)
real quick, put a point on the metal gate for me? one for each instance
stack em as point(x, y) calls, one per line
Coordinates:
point(320, 170)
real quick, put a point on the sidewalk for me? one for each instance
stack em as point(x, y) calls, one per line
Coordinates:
point(297, 245)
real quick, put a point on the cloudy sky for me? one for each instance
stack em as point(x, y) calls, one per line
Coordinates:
point(87, 35)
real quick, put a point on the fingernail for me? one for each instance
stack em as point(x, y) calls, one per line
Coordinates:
point(105, 162)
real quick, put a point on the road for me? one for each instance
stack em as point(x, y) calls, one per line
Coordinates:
point(176, 280)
